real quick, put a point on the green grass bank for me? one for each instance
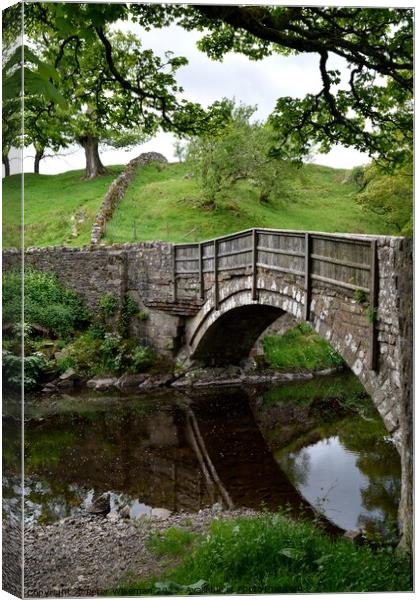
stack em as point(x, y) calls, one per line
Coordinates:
point(270, 553)
point(55, 207)
point(163, 203)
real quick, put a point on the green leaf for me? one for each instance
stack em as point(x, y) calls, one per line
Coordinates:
point(197, 586)
point(290, 553)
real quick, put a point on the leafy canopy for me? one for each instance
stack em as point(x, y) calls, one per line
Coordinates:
point(369, 107)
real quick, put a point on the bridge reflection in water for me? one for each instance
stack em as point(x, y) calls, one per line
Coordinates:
point(173, 452)
point(179, 456)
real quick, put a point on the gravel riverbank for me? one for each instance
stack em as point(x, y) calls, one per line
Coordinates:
point(88, 555)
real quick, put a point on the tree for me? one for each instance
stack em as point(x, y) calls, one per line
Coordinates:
point(115, 87)
point(390, 195)
point(98, 110)
point(371, 111)
point(239, 150)
point(39, 83)
point(46, 125)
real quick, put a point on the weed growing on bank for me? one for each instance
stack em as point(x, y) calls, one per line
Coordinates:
point(60, 332)
point(275, 554)
point(172, 542)
point(300, 348)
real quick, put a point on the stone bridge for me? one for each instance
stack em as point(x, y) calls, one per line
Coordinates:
point(210, 301)
point(356, 292)
point(348, 287)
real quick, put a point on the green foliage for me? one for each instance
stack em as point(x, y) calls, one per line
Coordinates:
point(129, 309)
point(273, 554)
point(371, 314)
point(360, 296)
point(390, 195)
point(108, 304)
point(300, 348)
point(112, 353)
point(97, 352)
point(142, 358)
point(96, 332)
point(117, 93)
point(33, 366)
point(82, 355)
point(369, 106)
point(171, 542)
point(47, 303)
point(240, 150)
point(357, 176)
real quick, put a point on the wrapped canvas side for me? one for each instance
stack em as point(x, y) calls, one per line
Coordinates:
point(12, 129)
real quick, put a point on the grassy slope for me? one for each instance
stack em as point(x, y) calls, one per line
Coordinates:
point(161, 204)
point(300, 348)
point(50, 201)
point(269, 554)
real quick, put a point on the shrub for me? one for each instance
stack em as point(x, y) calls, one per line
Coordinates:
point(82, 355)
point(33, 366)
point(113, 353)
point(142, 358)
point(107, 304)
point(47, 303)
point(129, 309)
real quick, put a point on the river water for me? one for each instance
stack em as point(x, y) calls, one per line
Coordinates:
point(303, 447)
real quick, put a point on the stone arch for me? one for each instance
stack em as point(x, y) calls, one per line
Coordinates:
point(223, 330)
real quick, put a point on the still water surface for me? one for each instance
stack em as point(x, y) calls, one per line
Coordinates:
point(295, 445)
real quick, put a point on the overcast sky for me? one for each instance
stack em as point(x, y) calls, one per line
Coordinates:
point(252, 82)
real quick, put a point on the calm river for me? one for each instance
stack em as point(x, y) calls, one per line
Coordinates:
point(318, 445)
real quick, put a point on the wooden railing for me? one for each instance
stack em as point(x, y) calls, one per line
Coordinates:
point(344, 261)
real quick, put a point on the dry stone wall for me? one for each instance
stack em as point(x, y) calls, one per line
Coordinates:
point(117, 191)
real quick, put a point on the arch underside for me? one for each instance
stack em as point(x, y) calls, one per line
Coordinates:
point(232, 336)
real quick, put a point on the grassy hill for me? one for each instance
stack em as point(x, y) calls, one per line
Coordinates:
point(50, 203)
point(163, 203)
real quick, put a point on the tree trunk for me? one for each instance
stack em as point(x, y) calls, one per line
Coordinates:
point(39, 155)
point(94, 166)
point(5, 160)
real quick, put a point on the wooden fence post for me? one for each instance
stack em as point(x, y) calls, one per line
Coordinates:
point(308, 249)
point(254, 264)
point(216, 282)
point(174, 270)
point(200, 270)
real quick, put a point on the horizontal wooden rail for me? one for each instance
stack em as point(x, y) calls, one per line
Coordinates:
point(343, 263)
point(280, 251)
